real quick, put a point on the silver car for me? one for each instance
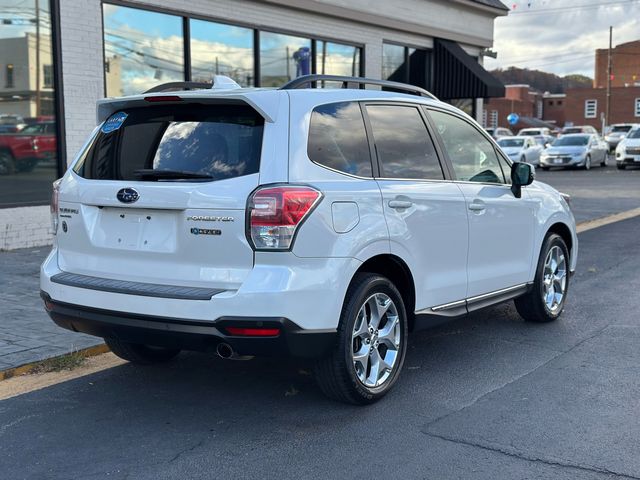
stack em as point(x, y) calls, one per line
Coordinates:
point(617, 133)
point(575, 150)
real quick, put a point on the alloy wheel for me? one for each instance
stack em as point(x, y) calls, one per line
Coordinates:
point(554, 279)
point(376, 340)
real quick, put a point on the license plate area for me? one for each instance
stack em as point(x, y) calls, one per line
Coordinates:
point(558, 161)
point(138, 230)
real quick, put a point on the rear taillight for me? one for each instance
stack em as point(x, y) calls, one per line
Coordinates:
point(54, 205)
point(275, 213)
point(253, 332)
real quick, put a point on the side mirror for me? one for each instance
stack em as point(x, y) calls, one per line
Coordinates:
point(522, 174)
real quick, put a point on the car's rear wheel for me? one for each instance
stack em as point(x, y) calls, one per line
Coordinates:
point(605, 160)
point(139, 353)
point(27, 165)
point(545, 300)
point(371, 346)
point(7, 164)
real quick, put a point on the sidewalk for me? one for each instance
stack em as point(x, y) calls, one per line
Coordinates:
point(27, 334)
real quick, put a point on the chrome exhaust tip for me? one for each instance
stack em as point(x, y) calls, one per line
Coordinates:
point(224, 350)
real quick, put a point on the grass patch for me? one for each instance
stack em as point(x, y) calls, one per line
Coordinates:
point(69, 361)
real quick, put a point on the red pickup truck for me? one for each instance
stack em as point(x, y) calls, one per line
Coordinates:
point(21, 152)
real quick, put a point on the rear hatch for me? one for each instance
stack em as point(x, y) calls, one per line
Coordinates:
point(159, 196)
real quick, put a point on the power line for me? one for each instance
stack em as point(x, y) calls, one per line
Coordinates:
point(572, 8)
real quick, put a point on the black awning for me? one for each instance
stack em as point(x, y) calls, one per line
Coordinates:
point(456, 74)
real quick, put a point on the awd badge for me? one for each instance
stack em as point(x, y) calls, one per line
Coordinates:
point(205, 231)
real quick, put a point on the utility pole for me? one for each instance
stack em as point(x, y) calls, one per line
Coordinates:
point(609, 70)
point(37, 58)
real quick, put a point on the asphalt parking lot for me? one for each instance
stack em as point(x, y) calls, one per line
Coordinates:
point(597, 192)
point(483, 397)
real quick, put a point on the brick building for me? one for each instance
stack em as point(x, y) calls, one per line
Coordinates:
point(625, 66)
point(522, 100)
point(585, 106)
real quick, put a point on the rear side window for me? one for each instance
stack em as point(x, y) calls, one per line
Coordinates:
point(160, 143)
point(338, 139)
point(403, 144)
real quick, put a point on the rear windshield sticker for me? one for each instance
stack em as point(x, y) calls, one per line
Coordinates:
point(114, 122)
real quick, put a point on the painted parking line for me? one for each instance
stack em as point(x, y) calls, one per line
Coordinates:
point(601, 222)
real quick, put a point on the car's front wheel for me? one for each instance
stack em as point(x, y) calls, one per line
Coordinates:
point(7, 163)
point(372, 341)
point(587, 163)
point(545, 300)
point(139, 353)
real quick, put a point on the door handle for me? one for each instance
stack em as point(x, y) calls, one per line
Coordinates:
point(399, 204)
point(477, 206)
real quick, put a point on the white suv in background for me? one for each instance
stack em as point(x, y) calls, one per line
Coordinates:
point(324, 223)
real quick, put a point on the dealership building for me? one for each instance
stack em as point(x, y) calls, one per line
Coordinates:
point(58, 57)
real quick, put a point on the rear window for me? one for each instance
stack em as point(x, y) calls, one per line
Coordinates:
point(338, 139)
point(185, 142)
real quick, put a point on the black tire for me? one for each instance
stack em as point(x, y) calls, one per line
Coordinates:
point(621, 166)
point(140, 354)
point(546, 169)
point(587, 163)
point(7, 163)
point(531, 306)
point(336, 374)
point(27, 165)
point(605, 160)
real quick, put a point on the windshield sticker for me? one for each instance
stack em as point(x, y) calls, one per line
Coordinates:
point(114, 122)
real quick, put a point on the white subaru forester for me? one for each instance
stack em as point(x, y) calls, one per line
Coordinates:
point(325, 223)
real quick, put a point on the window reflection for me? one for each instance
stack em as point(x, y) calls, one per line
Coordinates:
point(142, 49)
point(28, 163)
point(283, 58)
point(337, 59)
point(218, 49)
point(394, 66)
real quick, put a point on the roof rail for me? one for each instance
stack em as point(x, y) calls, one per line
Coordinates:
point(172, 86)
point(308, 81)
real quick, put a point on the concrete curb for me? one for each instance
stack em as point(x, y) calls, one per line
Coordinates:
point(28, 367)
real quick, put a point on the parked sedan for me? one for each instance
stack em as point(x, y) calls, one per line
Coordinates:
point(616, 134)
point(499, 132)
point(575, 150)
point(521, 149)
point(628, 150)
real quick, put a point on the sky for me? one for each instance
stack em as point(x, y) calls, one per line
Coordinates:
point(561, 36)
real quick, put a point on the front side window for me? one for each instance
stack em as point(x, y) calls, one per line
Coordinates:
point(176, 143)
point(338, 139)
point(403, 144)
point(472, 155)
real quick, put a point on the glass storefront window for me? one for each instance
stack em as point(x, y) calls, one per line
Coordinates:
point(407, 65)
point(28, 143)
point(283, 58)
point(142, 49)
point(394, 66)
point(218, 49)
point(337, 59)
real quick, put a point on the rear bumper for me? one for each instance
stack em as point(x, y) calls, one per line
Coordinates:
point(192, 334)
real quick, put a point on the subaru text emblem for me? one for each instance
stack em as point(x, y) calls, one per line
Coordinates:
point(128, 195)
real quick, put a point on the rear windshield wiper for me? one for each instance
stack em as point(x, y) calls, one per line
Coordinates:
point(151, 174)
